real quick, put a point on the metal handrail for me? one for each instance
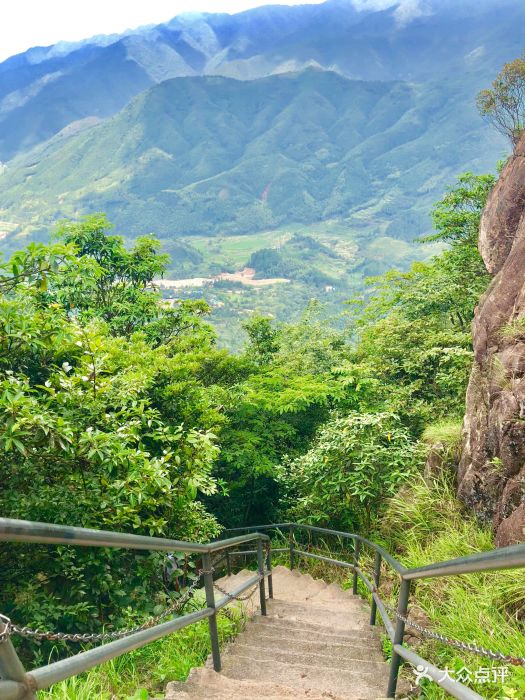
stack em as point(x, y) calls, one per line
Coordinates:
point(44, 533)
point(499, 559)
point(17, 684)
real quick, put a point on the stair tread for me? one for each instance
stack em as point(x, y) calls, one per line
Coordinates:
point(324, 631)
point(309, 656)
point(309, 676)
point(315, 643)
point(322, 649)
point(222, 686)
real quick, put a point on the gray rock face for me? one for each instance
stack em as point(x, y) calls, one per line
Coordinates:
point(492, 467)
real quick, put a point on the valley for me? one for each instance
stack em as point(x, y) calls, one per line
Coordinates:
point(230, 142)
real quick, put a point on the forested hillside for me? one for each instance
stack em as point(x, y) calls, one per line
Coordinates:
point(127, 416)
point(210, 156)
point(227, 135)
point(45, 89)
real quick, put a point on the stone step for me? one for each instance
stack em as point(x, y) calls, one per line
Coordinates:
point(293, 658)
point(311, 630)
point(367, 682)
point(340, 620)
point(315, 643)
point(310, 589)
point(311, 654)
point(335, 607)
point(278, 640)
point(206, 683)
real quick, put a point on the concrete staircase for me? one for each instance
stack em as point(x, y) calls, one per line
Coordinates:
point(315, 643)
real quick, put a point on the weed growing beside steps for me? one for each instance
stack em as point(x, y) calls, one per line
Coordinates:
point(143, 674)
point(426, 523)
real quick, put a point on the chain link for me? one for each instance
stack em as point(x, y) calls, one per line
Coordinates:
point(6, 622)
point(10, 628)
point(456, 643)
point(238, 597)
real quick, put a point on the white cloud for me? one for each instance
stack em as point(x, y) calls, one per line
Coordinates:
point(409, 10)
point(27, 23)
point(405, 12)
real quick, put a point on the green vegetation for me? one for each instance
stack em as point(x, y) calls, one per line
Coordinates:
point(214, 156)
point(228, 172)
point(143, 674)
point(504, 104)
point(356, 462)
point(408, 368)
point(425, 523)
point(121, 412)
point(222, 169)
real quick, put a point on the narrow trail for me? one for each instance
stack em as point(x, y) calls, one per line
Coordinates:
point(315, 642)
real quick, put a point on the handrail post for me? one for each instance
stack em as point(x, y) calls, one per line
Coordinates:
point(260, 566)
point(290, 542)
point(357, 548)
point(212, 620)
point(228, 563)
point(269, 567)
point(11, 668)
point(377, 575)
point(402, 607)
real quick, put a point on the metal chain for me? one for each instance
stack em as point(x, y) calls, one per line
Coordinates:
point(237, 597)
point(456, 643)
point(10, 628)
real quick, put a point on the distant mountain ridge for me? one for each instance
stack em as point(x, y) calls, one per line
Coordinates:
point(45, 89)
point(212, 155)
point(310, 140)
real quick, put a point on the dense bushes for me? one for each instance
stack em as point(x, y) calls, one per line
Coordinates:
point(119, 412)
point(105, 423)
point(357, 461)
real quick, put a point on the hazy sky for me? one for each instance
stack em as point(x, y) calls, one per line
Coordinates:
point(26, 23)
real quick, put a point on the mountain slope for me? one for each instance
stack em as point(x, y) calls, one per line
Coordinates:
point(45, 89)
point(196, 156)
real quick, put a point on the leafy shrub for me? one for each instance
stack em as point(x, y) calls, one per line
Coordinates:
point(355, 462)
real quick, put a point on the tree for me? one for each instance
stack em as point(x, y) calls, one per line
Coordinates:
point(111, 282)
point(503, 105)
point(99, 429)
point(291, 385)
point(414, 353)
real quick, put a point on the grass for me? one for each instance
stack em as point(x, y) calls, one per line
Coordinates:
point(235, 250)
point(143, 674)
point(514, 330)
point(446, 432)
point(426, 524)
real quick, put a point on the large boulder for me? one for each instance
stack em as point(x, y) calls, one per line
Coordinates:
point(492, 466)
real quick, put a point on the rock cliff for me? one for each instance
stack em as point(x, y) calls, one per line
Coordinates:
point(492, 468)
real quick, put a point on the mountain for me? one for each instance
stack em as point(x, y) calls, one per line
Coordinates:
point(44, 90)
point(215, 156)
point(310, 140)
